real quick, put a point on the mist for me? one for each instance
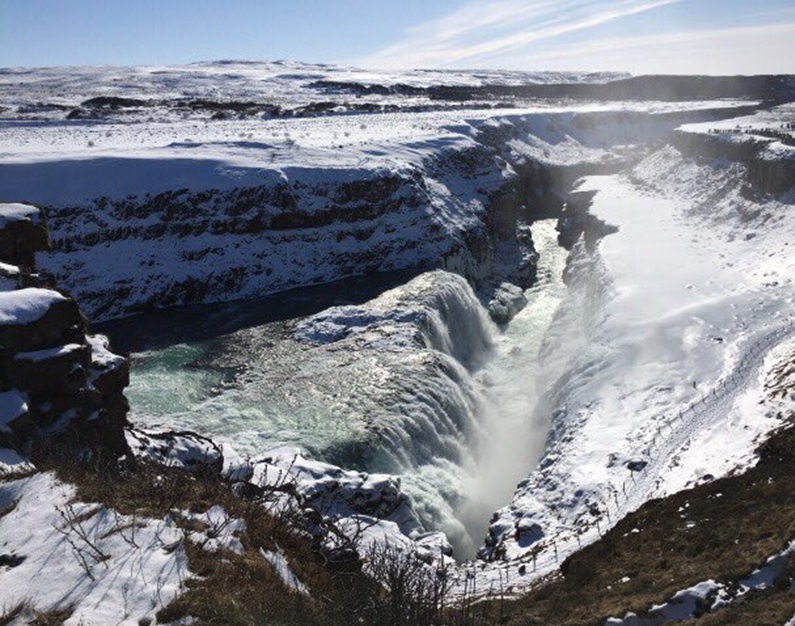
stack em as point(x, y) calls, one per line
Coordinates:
point(514, 425)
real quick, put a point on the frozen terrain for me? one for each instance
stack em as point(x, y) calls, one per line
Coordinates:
point(636, 362)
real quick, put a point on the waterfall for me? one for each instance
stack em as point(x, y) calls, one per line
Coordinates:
point(513, 424)
point(399, 384)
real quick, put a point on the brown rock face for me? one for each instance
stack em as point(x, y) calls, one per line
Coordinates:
point(58, 385)
point(22, 234)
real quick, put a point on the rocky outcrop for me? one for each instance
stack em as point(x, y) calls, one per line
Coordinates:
point(22, 233)
point(508, 300)
point(272, 229)
point(576, 221)
point(58, 384)
point(770, 165)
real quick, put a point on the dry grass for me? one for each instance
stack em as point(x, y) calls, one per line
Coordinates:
point(34, 617)
point(238, 589)
point(51, 618)
point(228, 588)
point(722, 530)
point(9, 615)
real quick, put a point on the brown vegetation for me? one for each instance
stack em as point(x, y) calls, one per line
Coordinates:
point(722, 530)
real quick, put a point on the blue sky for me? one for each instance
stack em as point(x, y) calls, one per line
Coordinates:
point(640, 36)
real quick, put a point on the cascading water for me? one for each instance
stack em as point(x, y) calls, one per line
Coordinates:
point(387, 386)
point(515, 379)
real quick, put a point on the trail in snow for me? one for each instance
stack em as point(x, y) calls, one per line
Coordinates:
point(664, 449)
point(522, 572)
point(681, 293)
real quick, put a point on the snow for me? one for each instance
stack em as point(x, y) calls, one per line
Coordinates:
point(17, 212)
point(101, 356)
point(49, 353)
point(26, 306)
point(184, 450)
point(13, 404)
point(278, 82)
point(336, 493)
point(91, 176)
point(11, 462)
point(9, 270)
point(111, 568)
point(662, 350)
point(657, 357)
point(221, 532)
point(282, 568)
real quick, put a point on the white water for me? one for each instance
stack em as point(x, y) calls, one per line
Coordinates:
point(514, 433)
point(385, 386)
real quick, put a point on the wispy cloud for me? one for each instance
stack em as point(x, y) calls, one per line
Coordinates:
point(739, 50)
point(484, 29)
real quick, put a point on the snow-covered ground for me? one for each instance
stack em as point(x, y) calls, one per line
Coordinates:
point(110, 568)
point(282, 83)
point(660, 350)
point(647, 368)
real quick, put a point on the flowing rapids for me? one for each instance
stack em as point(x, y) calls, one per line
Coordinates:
point(515, 379)
point(416, 382)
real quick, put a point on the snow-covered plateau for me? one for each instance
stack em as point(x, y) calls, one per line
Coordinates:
point(479, 316)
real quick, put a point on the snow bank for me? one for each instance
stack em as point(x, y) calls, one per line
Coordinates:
point(49, 353)
point(101, 356)
point(109, 567)
point(17, 212)
point(25, 306)
point(12, 463)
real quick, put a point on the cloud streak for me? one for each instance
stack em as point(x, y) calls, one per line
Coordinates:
point(480, 31)
point(728, 51)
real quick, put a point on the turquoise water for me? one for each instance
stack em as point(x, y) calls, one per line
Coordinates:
point(460, 444)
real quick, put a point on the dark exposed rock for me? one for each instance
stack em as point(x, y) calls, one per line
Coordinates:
point(57, 383)
point(507, 302)
point(22, 234)
point(665, 88)
point(57, 321)
point(112, 102)
point(11, 560)
point(576, 221)
point(766, 171)
point(59, 370)
point(636, 466)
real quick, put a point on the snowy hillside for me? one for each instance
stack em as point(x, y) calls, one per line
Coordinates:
point(578, 283)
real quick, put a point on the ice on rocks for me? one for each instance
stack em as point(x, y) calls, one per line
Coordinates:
point(185, 450)
point(283, 570)
point(101, 356)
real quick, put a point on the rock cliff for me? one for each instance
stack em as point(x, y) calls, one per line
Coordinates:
point(59, 385)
